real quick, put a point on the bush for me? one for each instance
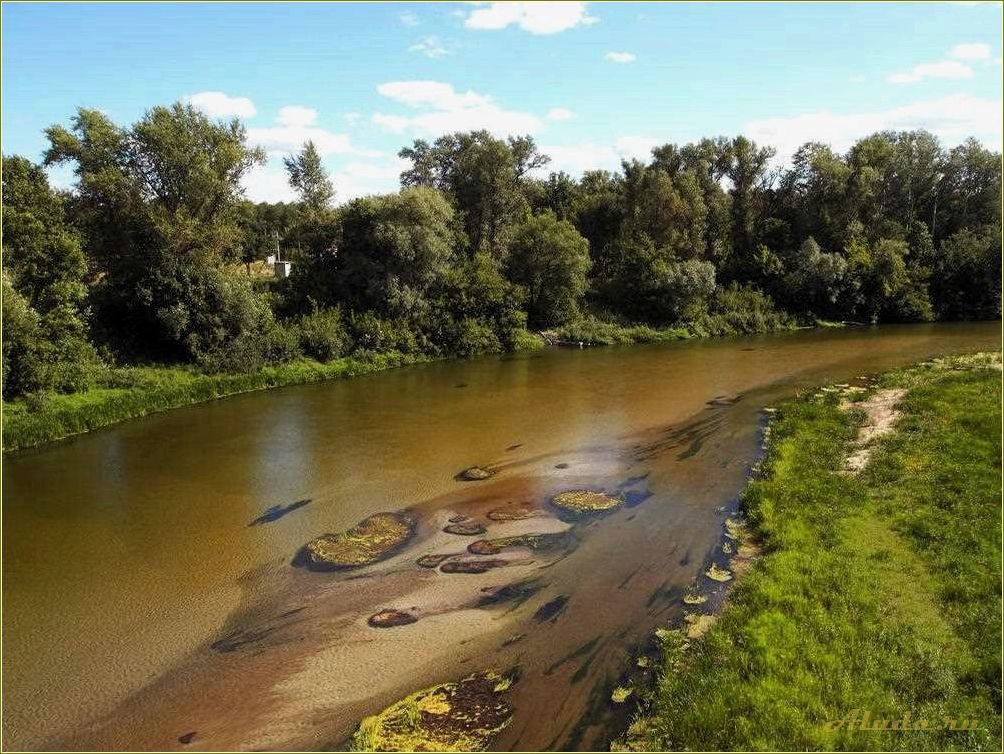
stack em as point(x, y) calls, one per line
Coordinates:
point(476, 336)
point(371, 333)
point(323, 335)
point(740, 309)
point(250, 352)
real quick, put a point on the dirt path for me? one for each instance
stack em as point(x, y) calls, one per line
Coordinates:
point(881, 414)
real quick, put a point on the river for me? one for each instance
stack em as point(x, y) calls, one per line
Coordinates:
point(142, 604)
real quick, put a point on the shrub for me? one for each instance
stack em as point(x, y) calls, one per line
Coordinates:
point(323, 335)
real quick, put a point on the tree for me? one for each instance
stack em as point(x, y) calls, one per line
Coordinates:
point(309, 179)
point(393, 249)
point(158, 205)
point(745, 164)
point(550, 260)
point(485, 178)
point(46, 343)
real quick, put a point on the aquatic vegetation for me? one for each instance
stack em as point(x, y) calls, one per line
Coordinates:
point(369, 541)
point(465, 528)
point(586, 501)
point(695, 599)
point(697, 624)
point(621, 694)
point(718, 574)
point(475, 474)
point(456, 716)
point(551, 610)
point(391, 619)
point(531, 541)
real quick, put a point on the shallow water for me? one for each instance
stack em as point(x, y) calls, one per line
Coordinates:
point(148, 593)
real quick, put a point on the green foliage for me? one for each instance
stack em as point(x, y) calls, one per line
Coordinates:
point(158, 207)
point(323, 335)
point(738, 310)
point(45, 345)
point(874, 593)
point(484, 177)
point(142, 258)
point(549, 259)
point(309, 179)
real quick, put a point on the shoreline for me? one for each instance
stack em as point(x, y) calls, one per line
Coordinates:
point(704, 661)
point(31, 422)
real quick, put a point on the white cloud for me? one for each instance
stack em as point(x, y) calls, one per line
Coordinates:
point(433, 94)
point(971, 51)
point(364, 178)
point(534, 17)
point(431, 47)
point(268, 183)
point(297, 115)
point(620, 57)
point(578, 158)
point(443, 109)
point(943, 69)
point(560, 113)
point(352, 118)
point(220, 105)
point(285, 139)
point(408, 19)
point(952, 119)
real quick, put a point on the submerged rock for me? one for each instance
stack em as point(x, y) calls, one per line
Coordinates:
point(471, 566)
point(694, 599)
point(586, 501)
point(513, 512)
point(475, 474)
point(531, 541)
point(458, 716)
point(369, 541)
point(390, 619)
point(465, 528)
point(431, 561)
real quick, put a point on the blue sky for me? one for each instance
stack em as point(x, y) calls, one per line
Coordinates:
point(593, 82)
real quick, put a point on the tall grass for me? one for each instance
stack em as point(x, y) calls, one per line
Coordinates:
point(877, 593)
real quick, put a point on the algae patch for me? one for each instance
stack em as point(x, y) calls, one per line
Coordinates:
point(586, 501)
point(718, 574)
point(369, 541)
point(456, 716)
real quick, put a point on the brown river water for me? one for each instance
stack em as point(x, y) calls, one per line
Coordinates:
point(140, 604)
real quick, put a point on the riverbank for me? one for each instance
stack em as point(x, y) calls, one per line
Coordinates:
point(877, 596)
point(132, 392)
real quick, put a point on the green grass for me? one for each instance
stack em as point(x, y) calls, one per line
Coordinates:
point(129, 392)
point(878, 593)
point(600, 332)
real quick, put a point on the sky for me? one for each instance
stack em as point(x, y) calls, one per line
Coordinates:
point(593, 83)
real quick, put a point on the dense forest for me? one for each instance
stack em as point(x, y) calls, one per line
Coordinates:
point(155, 256)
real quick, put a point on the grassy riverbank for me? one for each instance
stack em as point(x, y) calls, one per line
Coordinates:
point(130, 392)
point(878, 592)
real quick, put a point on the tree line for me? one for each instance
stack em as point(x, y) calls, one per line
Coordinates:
point(148, 258)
